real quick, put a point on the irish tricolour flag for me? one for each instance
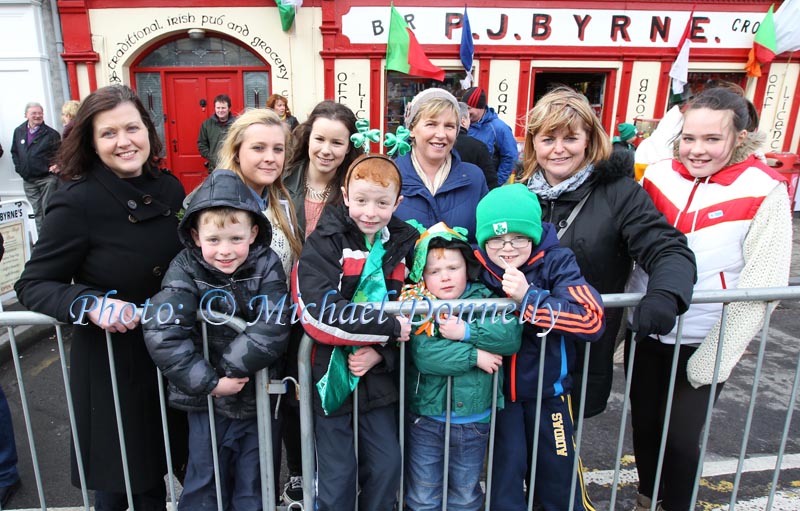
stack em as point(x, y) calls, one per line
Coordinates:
point(776, 34)
point(404, 54)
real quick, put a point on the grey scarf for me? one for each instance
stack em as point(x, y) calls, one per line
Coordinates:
point(539, 185)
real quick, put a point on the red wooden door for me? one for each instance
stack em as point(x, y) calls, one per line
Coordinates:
point(189, 98)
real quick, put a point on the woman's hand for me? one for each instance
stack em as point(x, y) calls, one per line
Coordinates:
point(229, 386)
point(363, 360)
point(115, 316)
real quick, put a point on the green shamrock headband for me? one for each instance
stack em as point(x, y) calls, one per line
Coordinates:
point(398, 141)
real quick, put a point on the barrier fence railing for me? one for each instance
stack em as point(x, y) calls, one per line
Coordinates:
point(306, 389)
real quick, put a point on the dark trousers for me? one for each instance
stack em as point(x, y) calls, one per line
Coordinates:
point(554, 459)
point(151, 500)
point(8, 449)
point(291, 437)
point(649, 387)
point(237, 451)
point(377, 472)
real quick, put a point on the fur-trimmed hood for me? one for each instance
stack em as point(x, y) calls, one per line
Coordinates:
point(617, 166)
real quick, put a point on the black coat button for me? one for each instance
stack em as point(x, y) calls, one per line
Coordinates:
point(158, 271)
point(167, 212)
point(132, 204)
point(147, 199)
point(132, 219)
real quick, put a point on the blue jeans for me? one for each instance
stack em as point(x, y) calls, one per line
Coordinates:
point(425, 465)
point(8, 449)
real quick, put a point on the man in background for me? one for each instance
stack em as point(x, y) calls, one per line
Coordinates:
point(472, 150)
point(33, 150)
point(489, 129)
point(9, 477)
point(214, 129)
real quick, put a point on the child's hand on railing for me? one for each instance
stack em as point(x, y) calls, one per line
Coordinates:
point(405, 329)
point(229, 386)
point(451, 327)
point(489, 362)
point(363, 360)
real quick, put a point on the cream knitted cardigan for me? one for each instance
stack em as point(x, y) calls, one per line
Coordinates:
point(767, 253)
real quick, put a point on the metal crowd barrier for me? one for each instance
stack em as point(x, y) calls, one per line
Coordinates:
point(263, 407)
point(769, 295)
point(306, 387)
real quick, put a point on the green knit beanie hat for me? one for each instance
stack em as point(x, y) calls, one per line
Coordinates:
point(626, 131)
point(510, 208)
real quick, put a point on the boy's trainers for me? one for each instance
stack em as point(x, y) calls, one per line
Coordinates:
point(293, 490)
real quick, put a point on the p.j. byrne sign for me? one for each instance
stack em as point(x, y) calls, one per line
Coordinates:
point(557, 27)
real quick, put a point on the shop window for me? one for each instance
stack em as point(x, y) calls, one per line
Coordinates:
point(206, 52)
point(591, 85)
point(256, 89)
point(401, 89)
point(698, 82)
point(148, 87)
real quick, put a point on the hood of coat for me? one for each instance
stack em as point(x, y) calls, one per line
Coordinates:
point(488, 116)
point(617, 166)
point(224, 188)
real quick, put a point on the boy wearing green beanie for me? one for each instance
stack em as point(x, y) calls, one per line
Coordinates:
point(468, 350)
point(523, 260)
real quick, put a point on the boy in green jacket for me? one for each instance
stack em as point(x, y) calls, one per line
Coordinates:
point(470, 350)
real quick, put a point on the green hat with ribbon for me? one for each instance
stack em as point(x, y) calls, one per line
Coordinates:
point(457, 235)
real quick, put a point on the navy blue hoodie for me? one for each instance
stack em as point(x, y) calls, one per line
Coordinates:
point(558, 296)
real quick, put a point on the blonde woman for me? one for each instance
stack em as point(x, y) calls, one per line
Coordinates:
point(68, 112)
point(437, 185)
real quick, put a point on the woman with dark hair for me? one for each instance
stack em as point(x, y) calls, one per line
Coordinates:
point(280, 105)
point(321, 155)
point(109, 235)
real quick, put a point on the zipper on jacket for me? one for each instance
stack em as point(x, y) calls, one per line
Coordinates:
point(685, 210)
point(552, 211)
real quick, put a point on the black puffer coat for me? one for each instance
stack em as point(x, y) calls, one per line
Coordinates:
point(190, 282)
point(618, 225)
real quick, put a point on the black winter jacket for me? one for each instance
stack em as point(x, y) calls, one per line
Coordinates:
point(619, 225)
point(253, 292)
point(32, 161)
point(103, 233)
point(472, 150)
point(327, 275)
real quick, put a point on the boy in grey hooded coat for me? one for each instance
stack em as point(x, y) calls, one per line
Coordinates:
point(252, 291)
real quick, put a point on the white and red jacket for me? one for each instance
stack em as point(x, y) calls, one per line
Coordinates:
point(738, 223)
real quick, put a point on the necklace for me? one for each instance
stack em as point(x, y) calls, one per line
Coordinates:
point(317, 195)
